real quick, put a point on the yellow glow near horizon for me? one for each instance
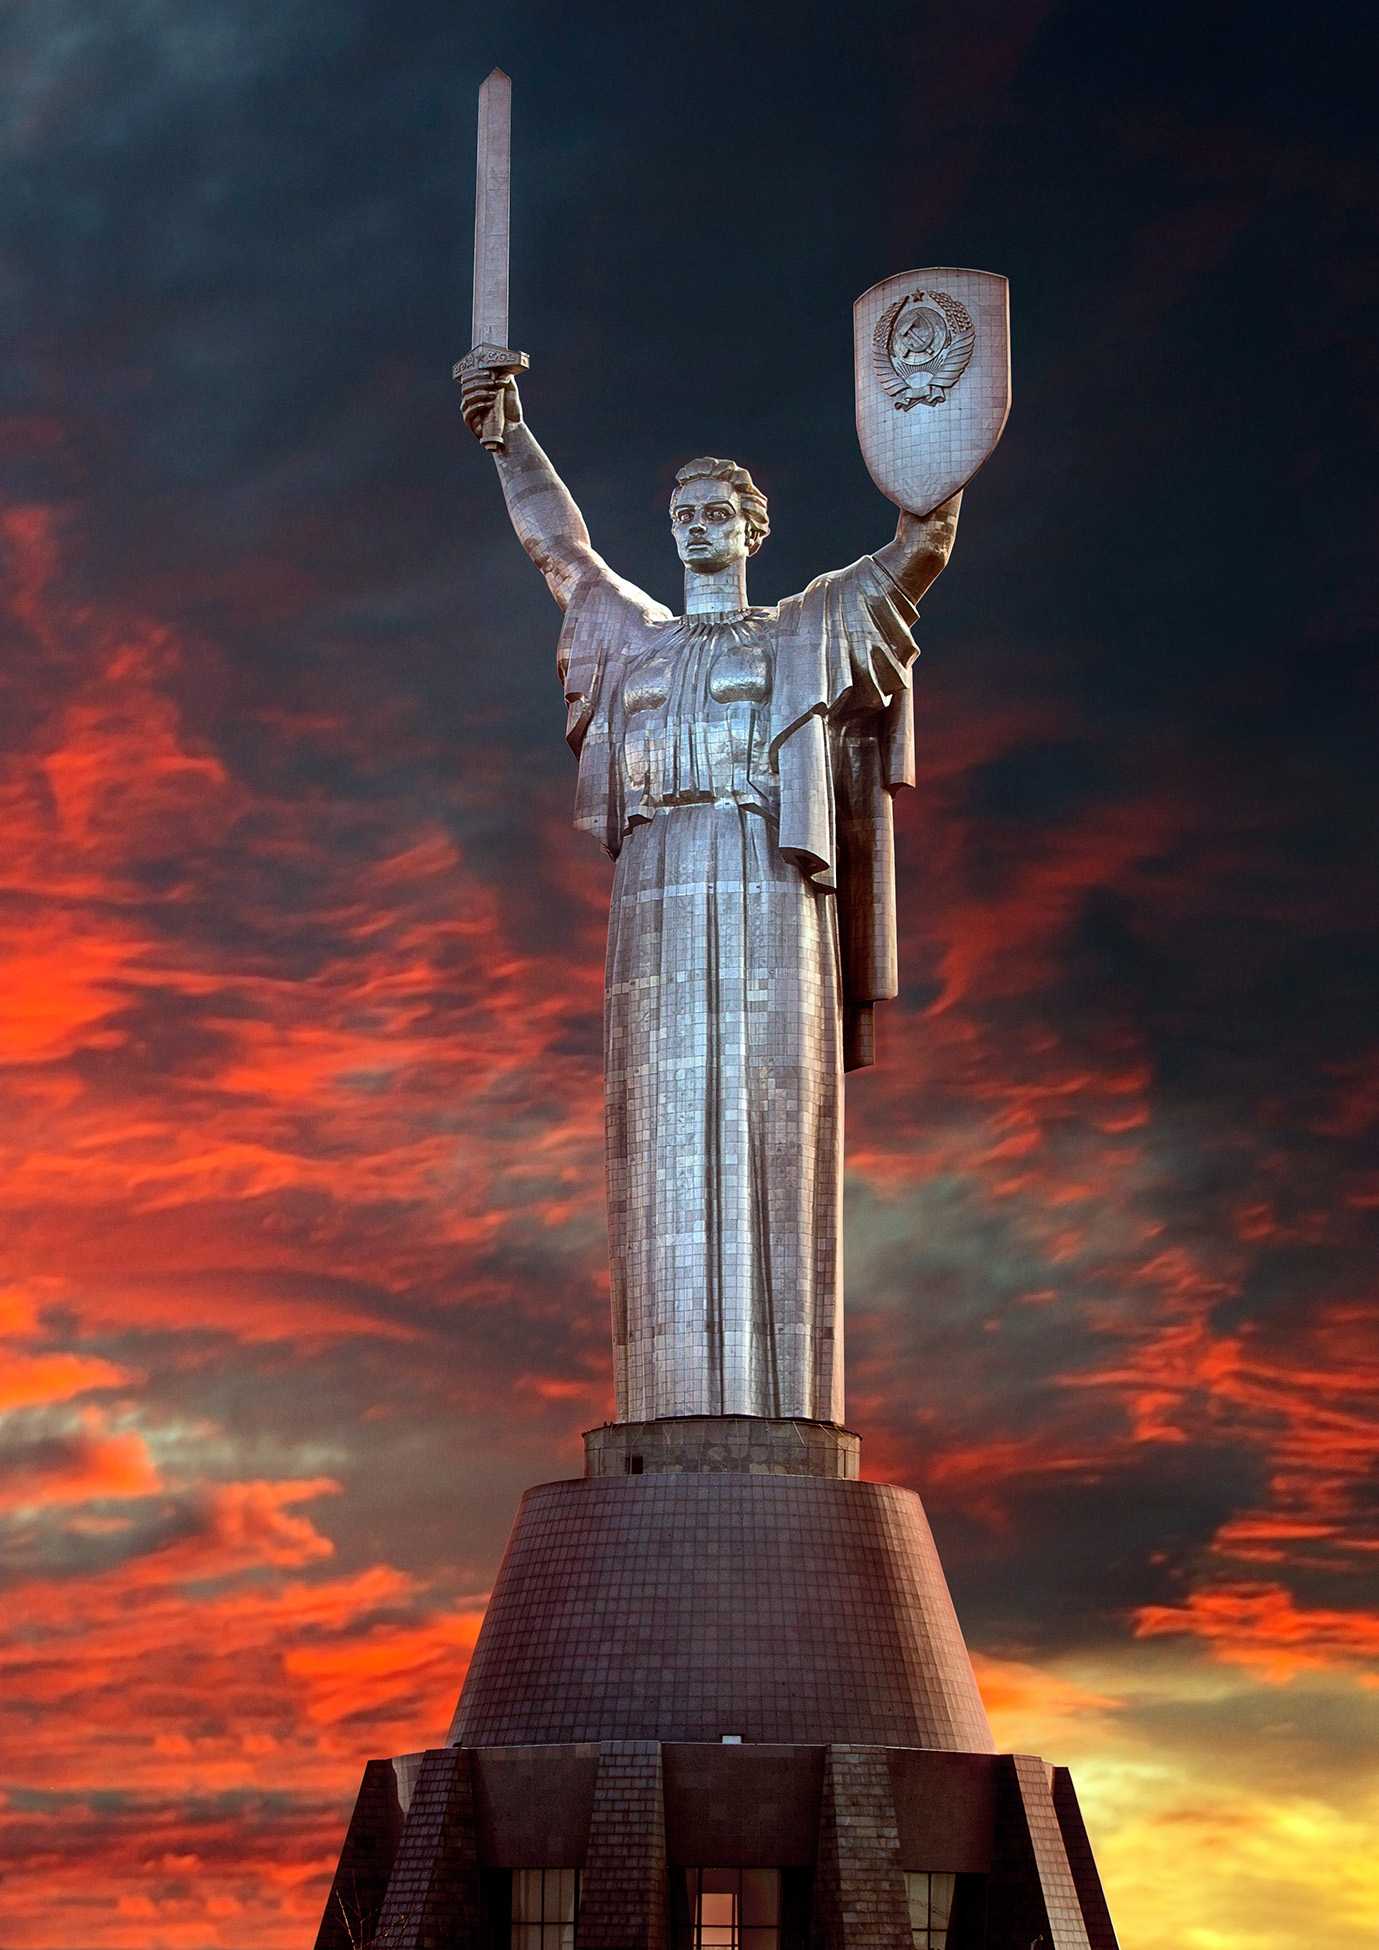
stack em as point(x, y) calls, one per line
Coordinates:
point(1216, 1823)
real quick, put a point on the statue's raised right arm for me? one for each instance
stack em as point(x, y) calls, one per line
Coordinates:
point(540, 506)
point(921, 548)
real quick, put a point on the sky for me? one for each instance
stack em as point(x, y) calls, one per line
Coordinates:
point(303, 1275)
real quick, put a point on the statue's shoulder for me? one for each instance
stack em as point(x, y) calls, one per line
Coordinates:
point(861, 582)
point(602, 596)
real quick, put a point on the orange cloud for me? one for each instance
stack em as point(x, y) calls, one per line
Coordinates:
point(1013, 1690)
point(1261, 1626)
point(978, 1476)
point(362, 1082)
point(393, 1667)
point(35, 1380)
point(88, 1465)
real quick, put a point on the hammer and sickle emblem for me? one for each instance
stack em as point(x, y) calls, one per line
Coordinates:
point(921, 348)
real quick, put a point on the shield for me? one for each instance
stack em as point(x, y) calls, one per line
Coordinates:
point(931, 353)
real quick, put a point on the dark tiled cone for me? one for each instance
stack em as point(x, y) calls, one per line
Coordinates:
point(693, 1605)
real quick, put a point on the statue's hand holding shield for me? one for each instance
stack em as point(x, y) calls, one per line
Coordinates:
point(931, 357)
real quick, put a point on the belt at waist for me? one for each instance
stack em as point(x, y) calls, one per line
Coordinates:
point(646, 809)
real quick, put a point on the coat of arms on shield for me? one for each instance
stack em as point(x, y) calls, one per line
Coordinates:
point(931, 353)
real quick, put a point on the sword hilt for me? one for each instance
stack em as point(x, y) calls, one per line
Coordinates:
point(500, 360)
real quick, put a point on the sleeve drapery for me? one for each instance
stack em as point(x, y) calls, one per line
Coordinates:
point(603, 616)
point(843, 741)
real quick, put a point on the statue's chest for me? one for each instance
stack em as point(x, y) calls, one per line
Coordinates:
point(695, 714)
point(697, 673)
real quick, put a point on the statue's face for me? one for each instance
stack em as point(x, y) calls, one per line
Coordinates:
point(707, 523)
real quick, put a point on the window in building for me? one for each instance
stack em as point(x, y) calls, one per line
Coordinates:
point(733, 1909)
point(930, 1897)
point(544, 1906)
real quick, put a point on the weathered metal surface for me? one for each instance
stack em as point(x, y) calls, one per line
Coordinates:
point(490, 352)
point(687, 1607)
point(737, 762)
point(492, 211)
point(931, 368)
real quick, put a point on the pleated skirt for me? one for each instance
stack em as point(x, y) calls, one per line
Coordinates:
point(723, 1078)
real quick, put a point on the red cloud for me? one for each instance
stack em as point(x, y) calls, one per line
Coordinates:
point(193, 1874)
point(88, 1465)
point(237, 1526)
point(1262, 1626)
point(391, 1668)
point(34, 1380)
point(372, 1084)
point(1009, 1686)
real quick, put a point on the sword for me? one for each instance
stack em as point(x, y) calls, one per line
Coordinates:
point(490, 350)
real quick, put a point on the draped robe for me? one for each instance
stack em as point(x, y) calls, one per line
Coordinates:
point(739, 771)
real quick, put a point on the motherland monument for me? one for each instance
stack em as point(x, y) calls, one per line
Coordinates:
point(720, 1699)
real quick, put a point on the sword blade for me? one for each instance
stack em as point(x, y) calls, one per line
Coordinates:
point(491, 211)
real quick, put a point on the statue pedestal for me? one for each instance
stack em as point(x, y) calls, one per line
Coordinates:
point(719, 1651)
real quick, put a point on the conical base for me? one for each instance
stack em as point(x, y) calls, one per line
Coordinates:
point(719, 1650)
point(699, 1606)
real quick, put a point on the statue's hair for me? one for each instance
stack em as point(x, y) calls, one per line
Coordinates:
point(750, 498)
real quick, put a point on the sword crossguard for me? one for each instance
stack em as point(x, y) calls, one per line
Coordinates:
point(499, 360)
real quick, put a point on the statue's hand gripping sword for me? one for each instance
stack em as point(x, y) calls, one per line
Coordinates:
point(490, 351)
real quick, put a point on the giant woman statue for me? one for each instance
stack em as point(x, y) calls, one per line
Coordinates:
point(737, 763)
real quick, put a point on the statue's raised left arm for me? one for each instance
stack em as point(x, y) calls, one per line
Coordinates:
point(921, 548)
